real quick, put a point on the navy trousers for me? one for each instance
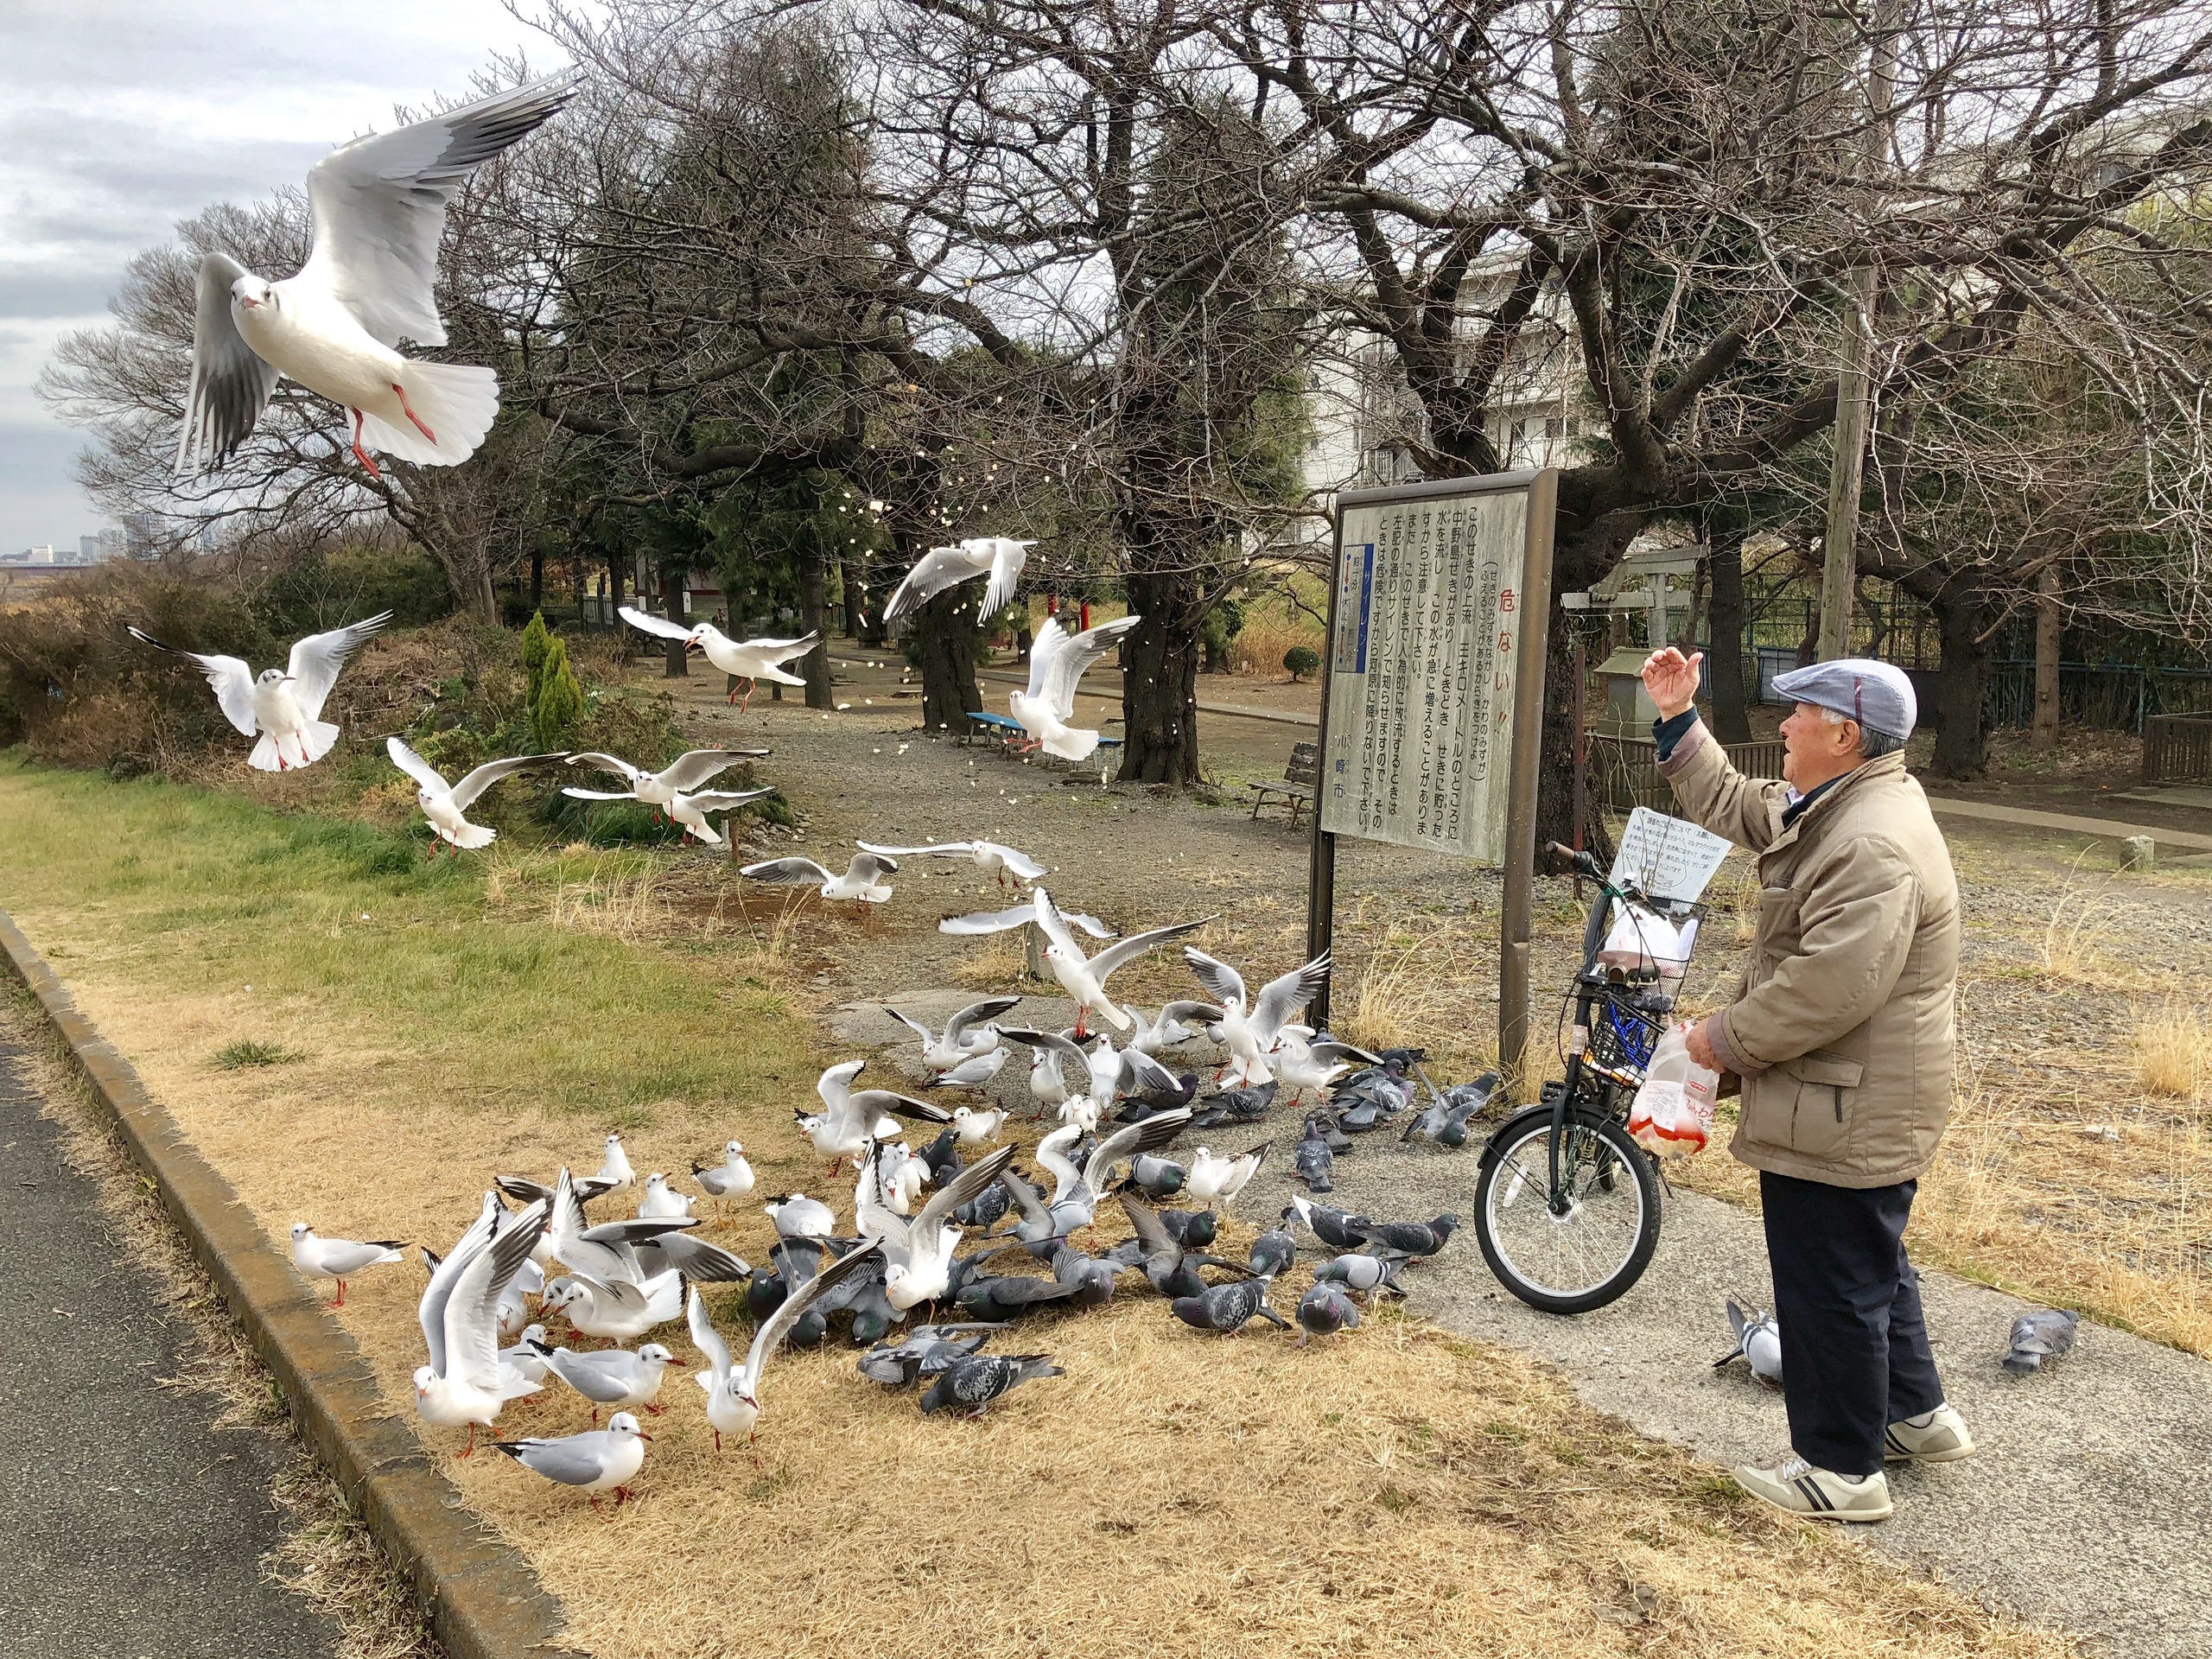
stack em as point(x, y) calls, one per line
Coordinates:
point(1854, 1342)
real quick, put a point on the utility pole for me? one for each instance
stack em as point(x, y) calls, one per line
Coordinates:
point(1839, 545)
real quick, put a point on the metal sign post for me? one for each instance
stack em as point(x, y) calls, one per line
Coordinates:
point(1433, 696)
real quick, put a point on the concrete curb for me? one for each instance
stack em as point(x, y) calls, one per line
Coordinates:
point(481, 1597)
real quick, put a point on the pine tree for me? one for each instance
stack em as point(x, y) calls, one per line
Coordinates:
point(559, 703)
point(537, 646)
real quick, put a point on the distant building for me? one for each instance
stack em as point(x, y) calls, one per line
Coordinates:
point(138, 534)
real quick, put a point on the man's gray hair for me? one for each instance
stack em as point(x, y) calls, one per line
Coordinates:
point(1872, 744)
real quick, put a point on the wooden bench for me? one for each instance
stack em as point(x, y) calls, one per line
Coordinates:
point(1296, 792)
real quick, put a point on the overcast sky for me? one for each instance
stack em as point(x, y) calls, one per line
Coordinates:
point(119, 118)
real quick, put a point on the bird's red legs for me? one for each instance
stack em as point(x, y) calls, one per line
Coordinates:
point(408, 409)
point(469, 1451)
point(751, 686)
point(360, 453)
point(340, 1302)
point(751, 1448)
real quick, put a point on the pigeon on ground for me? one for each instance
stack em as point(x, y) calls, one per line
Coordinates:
point(1090, 1277)
point(1193, 1229)
point(941, 1157)
point(1759, 1344)
point(340, 1259)
point(1227, 1308)
point(998, 558)
point(1237, 1106)
point(750, 660)
point(984, 1210)
point(1364, 1273)
point(1337, 1229)
point(1312, 1162)
point(2043, 1335)
point(968, 1385)
point(991, 1296)
point(923, 1351)
point(1157, 1178)
point(591, 1462)
point(1273, 1252)
point(1172, 1269)
point(1333, 1137)
point(1444, 1120)
point(1417, 1239)
point(283, 708)
point(1324, 1311)
point(379, 210)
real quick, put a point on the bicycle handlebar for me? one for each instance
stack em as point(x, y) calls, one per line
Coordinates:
point(1582, 863)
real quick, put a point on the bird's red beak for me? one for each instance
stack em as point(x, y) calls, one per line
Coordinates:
point(643, 1436)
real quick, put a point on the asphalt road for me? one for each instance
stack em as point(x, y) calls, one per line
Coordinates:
point(130, 1527)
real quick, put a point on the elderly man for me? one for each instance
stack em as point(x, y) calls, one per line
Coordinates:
point(1841, 1034)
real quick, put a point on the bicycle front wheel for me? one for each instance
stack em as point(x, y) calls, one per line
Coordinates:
point(1585, 1250)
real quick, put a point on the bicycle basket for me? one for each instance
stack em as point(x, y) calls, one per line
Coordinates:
point(1652, 937)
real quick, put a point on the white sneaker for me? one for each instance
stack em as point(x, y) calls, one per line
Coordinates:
point(1800, 1489)
point(1937, 1436)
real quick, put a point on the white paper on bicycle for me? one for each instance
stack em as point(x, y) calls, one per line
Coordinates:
point(1668, 858)
point(1421, 671)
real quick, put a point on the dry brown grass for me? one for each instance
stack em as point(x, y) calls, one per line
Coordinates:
point(2173, 1053)
point(1259, 647)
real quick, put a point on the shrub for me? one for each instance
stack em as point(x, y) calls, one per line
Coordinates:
point(537, 645)
point(1218, 632)
point(559, 701)
point(1301, 660)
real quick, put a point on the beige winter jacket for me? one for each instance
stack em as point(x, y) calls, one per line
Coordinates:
point(1841, 1029)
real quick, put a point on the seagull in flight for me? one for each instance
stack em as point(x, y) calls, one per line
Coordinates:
point(750, 660)
point(1250, 1026)
point(687, 772)
point(379, 206)
point(1057, 660)
point(447, 804)
point(862, 881)
point(283, 705)
point(967, 1034)
point(999, 557)
point(1083, 978)
point(994, 860)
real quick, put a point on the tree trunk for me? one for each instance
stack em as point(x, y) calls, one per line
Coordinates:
point(675, 597)
point(1961, 686)
point(1555, 773)
point(536, 577)
point(2043, 736)
point(944, 627)
point(1725, 622)
point(1159, 683)
point(813, 616)
point(850, 591)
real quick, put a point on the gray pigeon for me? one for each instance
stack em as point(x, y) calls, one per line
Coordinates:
point(1444, 1121)
point(984, 1210)
point(1273, 1252)
point(1157, 1178)
point(1092, 1279)
point(1324, 1311)
point(1759, 1344)
point(1313, 1161)
point(1366, 1274)
point(995, 1297)
point(1227, 1308)
point(2044, 1334)
point(1335, 1228)
point(1414, 1238)
point(924, 1351)
point(1172, 1269)
point(1191, 1229)
point(1235, 1106)
point(970, 1385)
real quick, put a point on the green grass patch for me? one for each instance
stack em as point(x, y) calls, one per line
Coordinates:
point(361, 928)
point(246, 1052)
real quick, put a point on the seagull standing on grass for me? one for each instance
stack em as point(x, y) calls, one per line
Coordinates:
point(1057, 661)
point(999, 557)
point(750, 660)
point(460, 1316)
point(378, 206)
point(339, 1258)
point(731, 1178)
point(614, 1378)
point(284, 707)
point(591, 1462)
point(734, 1392)
point(446, 805)
point(862, 880)
point(660, 789)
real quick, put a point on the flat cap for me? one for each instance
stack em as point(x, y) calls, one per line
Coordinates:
point(1879, 696)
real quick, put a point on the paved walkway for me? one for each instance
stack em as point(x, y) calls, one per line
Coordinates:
point(130, 1527)
point(2072, 823)
point(2083, 1508)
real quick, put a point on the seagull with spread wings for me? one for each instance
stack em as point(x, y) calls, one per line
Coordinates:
point(999, 557)
point(1083, 978)
point(968, 1034)
point(862, 881)
point(734, 1392)
point(460, 1316)
point(850, 1118)
point(284, 707)
point(1250, 1027)
point(378, 206)
point(685, 773)
point(1057, 661)
point(750, 660)
point(446, 805)
point(987, 857)
point(919, 1251)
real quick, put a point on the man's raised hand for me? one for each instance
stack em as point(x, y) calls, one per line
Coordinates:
point(1671, 678)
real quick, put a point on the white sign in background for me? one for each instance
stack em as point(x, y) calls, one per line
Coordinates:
point(1668, 858)
point(1422, 670)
